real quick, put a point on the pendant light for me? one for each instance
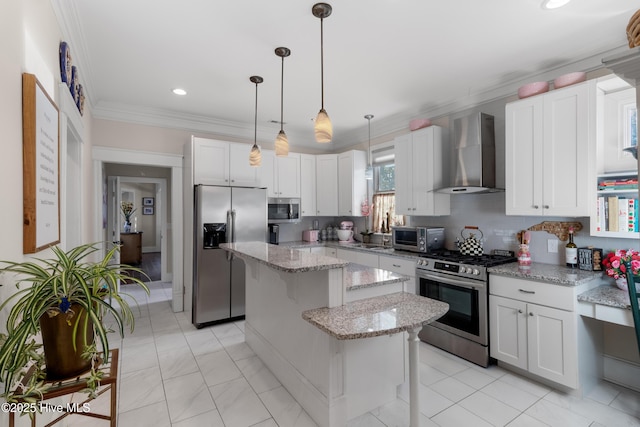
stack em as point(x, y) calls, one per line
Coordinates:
point(368, 173)
point(282, 143)
point(255, 156)
point(323, 128)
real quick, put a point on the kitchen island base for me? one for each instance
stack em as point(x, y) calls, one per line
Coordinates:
point(333, 380)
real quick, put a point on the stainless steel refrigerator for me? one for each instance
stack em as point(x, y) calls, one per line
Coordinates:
point(223, 215)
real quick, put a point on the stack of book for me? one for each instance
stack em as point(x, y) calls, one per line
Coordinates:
point(616, 213)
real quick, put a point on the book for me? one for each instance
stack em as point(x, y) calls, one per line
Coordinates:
point(623, 215)
point(631, 215)
point(613, 213)
point(600, 218)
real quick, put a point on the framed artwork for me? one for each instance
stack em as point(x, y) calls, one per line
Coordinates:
point(148, 201)
point(147, 210)
point(630, 126)
point(41, 167)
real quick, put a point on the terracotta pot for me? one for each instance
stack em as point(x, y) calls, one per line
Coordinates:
point(62, 361)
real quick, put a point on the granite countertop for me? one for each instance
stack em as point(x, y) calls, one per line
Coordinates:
point(372, 317)
point(359, 276)
point(609, 295)
point(282, 258)
point(557, 274)
point(356, 246)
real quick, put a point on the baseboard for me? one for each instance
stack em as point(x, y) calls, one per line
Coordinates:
point(622, 372)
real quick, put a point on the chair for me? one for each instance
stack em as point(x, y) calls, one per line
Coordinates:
point(633, 297)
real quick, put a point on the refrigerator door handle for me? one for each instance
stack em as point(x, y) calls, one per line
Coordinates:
point(230, 224)
point(233, 227)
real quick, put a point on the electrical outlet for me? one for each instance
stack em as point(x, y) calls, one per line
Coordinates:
point(552, 245)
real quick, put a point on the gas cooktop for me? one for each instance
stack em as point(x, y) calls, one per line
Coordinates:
point(487, 260)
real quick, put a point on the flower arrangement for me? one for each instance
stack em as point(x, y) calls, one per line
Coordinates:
point(127, 210)
point(614, 263)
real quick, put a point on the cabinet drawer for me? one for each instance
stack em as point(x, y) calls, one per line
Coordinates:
point(547, 294)
point(398, 265)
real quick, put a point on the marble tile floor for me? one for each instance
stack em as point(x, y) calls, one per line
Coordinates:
point(174, 375)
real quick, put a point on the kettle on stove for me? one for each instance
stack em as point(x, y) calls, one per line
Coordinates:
point(470, 245)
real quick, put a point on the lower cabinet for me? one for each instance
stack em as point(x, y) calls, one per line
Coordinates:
point(358, 257)
point(540, 339)
point(401, 266)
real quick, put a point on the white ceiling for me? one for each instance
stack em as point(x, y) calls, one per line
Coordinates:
point(395, 59)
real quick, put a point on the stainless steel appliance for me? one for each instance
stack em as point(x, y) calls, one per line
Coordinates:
point(462, 282)
point(283, 210)
point(473, 168)
point(418, 239)
point(223, 215)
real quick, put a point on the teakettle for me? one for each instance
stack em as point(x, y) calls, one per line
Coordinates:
point(470, 244)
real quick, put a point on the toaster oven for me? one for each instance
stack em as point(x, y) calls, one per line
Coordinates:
point(418, 239)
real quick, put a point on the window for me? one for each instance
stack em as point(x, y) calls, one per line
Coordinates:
point(384, 186)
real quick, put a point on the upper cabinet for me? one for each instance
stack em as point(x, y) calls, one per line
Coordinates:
point(419, 159)
point(308, 184)
point(281, 175)
point(222, 163)
point(327, 185)
point(352, 186)
point(550, 152)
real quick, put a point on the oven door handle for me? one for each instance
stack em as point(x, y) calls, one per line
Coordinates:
point(452, 281)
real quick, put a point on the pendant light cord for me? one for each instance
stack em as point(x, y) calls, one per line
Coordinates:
point(255, 124)
point(322, 61)
point(369, 119)
point(282, 97)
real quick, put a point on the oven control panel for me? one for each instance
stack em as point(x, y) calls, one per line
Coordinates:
point(450, 267)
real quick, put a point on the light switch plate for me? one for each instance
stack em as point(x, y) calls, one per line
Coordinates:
point(552, 245)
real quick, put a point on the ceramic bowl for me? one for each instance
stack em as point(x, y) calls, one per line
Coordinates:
point(531, 89)
point(416, 124)
point(569, 79)
point(345, 235)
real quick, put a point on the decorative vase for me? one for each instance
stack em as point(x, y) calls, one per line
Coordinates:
point(622, 284)
point(127, 226)
point(61, 359)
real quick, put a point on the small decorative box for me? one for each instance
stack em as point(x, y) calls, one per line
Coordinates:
point(590, 258)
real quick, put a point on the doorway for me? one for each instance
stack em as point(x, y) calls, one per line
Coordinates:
point(134, 164)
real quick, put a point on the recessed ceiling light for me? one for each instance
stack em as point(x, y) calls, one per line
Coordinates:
point(554, 4)
point(179, 91)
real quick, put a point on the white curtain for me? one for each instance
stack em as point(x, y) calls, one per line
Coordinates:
point(384, 204)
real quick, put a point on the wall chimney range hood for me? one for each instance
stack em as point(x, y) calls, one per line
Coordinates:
point(473, 156)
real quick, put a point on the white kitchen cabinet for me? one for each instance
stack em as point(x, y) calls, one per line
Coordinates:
point(222, 163)
point(358, 257)
point(420, 158)
point(550, 152)
point(308, 184)
point(541, 339)
point(352, 186)
point(281, 175)
point(317, 250)
point(328, 251)
point(403, 266)
point(327, 185)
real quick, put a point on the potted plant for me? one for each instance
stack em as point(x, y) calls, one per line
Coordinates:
point(75, 300)
point(614, 265)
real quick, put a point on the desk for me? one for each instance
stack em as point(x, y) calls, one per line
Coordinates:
point(606, 303)
point(109, 382)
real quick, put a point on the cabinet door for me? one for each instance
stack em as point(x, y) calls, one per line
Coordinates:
point(427, 170)
point(211, 162)
point(345, 184)
point(523, 157)
point(566, 168)
point(404, 178)
point(288, 175)
point(268, 173)
point(552, 340)
point(240, 173)
point(508, 330)
point(308, 184)
point(327, 185)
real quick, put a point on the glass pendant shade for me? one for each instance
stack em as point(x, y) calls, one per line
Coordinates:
point(323, 128)
point(255, 156)
point(282, 144)
point(368, 172)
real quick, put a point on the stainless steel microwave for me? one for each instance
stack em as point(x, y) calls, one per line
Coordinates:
point(418, 239)
point(282, 210)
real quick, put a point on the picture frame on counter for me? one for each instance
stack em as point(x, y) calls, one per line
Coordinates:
point(41, 167)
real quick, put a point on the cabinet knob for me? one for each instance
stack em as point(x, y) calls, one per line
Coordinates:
point(396, 265)
point(226, 180)
point(233, 180)
point(536, 207)
point(531, 314)
point(520, 311)
point(546, 206)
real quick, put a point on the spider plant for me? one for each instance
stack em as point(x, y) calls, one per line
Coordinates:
point(57, 284)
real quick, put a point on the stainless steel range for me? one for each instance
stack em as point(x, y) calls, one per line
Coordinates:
point(462, 282)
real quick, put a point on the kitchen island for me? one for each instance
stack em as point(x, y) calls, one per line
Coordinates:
point(335, 369)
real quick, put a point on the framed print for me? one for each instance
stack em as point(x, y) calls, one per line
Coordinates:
point(148, 201)
point(147, 210)
point(41, 167)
